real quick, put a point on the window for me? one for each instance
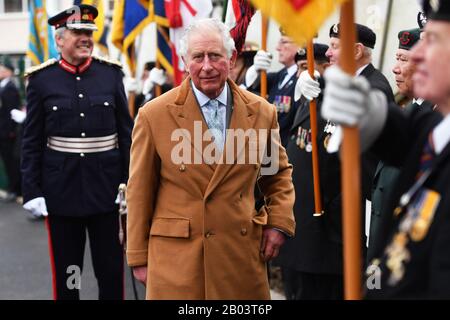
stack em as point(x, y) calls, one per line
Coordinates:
point(13, 6)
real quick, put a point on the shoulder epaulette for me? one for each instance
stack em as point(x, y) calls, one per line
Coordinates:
point(41, 66)
point(108, 61)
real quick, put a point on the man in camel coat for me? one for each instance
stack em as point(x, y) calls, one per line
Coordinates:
point(193, 232)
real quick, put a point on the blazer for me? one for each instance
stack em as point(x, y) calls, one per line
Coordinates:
point(192, 223)
point(414, 264)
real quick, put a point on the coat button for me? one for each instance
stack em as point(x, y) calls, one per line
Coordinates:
point(82, 115)
point(243, 231)
point(83, 134)
point(80, 96)
point(106, 103)
point(82, 155)
point(182, 168)
point(208, 234)
point(55, 108)
point(78, 78)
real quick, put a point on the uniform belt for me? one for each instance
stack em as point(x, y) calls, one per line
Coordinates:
point(83, 145)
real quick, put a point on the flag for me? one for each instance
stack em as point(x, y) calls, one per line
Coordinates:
point(237, 16)
point(41, 43)
point(101, 34)
point(300, 19)
point(175, 16)
point(130, 17)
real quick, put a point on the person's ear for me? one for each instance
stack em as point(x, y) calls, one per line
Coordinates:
point(359, 51)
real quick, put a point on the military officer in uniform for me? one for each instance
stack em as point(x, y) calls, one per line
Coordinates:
point(312, 261)
point(9, 101)
point(304, 275)
point(280, 84)
point(385, 176)
point(75, 150)
point(415, 261)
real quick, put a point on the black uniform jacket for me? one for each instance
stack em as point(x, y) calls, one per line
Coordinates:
point(70, 102)
point(282, 98)
point(9, 99)
point(414, 261)
point(317, 245)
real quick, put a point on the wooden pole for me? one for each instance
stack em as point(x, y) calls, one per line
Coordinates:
point(315, 151)
point(351, 180)
point(264, 25)
point(132, 94)
point(157, 87)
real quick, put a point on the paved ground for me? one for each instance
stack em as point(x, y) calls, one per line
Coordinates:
point(24, 264)
point(25, 267)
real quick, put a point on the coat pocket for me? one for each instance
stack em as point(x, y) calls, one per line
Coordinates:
point(170, 227)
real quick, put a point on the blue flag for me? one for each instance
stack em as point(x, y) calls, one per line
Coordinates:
point(41, 43)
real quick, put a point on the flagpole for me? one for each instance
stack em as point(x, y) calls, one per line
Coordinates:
point(132, 94)
point(264, 24)
point(315, 151)
point(158, 65)
point(351, 177)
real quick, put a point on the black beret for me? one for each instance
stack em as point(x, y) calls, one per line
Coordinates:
point(79, 17)
point(149, 65)
point(437, 9)
point(8, 65)
point(364, 34)
point(408, 38)
point(319, 53)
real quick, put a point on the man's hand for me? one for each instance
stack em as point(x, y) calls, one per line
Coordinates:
point(350, 101)
point(307, 86)
point(140, 273)
point(157, 76)
point(271, 243)
point(18, 116)
point(131, 84)
point(37, 207)
point(262, 60)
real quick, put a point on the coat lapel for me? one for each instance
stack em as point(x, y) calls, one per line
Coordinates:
point(243, 117)
point(187, 114)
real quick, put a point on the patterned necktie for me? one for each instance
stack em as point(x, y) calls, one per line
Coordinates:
point(214, 119)
point(427, 157)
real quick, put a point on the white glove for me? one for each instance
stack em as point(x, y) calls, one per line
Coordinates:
point(250, 76)
point(157, 76)
point(262, 60)
point(37, 207)
point(131, 85)
point(307, 86)
point(350, 101)
point(18, 115)
point(147, 87)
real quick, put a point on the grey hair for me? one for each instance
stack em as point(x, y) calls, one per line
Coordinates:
point(367, 52)
point(59, 33)
point(203, 25)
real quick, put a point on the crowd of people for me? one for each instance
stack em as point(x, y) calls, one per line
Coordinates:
point(205, 218)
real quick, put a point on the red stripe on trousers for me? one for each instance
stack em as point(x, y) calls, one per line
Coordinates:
point(52, 259)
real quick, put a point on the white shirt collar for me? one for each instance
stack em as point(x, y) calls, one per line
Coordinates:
point(4, 82)
point(203, 99)
point(441, 134)
point(360, 70)
point(418, 101)
point(292, 70)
